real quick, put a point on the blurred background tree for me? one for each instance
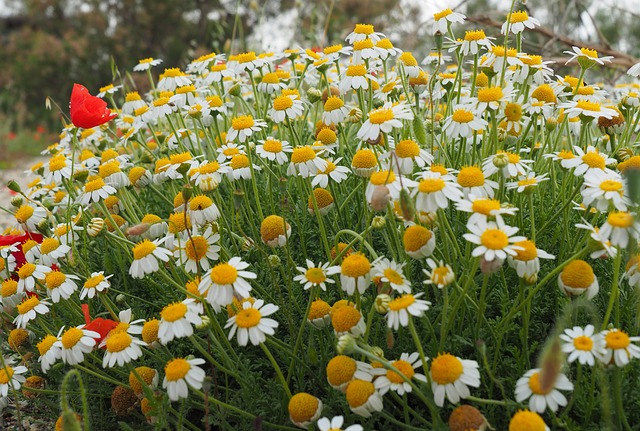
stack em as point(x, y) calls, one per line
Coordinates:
point(47, 45)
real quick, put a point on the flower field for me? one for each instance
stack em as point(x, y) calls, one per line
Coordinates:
point(346, 238)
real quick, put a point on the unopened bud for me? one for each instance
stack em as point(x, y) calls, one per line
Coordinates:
point(121, 299)
point(205, 322)
point(248, 244)
point(377, 351)
point(43, 226)
point(95, 226)
point(17, 201)
point(439, 37)
point(500, 160)
point(13, 186)
point(378, 222)
point(314, 95)
point(235, 90)
point(81, 175)
point(187, 192)
point(274, 260)
point(346, 344)
point(382, 303)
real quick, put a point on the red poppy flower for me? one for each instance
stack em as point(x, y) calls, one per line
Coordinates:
point(99, 325)
point(6, 240)
point(88, 111)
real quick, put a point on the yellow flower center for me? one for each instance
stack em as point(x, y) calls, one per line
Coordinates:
point(197, 248)
point(474, 35)
point(519, 16)
point(282, 102)
point(620, 219)
point(416, 237)
point(28, 245)
point(118, 342)
point(446, 369)
point(384, 44)
point(408, 59)
point(345, 318)
point(588, 106)
point(591, 53)
point(48, 245)
point(567, 155)
point(462, 116)
point(532, 60)
point(583, 343)
point(199, 203)
point(57, 162)
point(494, 239)
point(340, 370)
point(246, 57)
point(176, 369)
point(5, 375)
point(442, 14)
point(534, 385)
point(272, 146)
point(150, 331)
point(401, 302)
point(529, 251)
point(490, 94)
point(71, 337)
point(359, 45)
point(239, 161)
point(611, 186)
point(404, 367)
point(594, 160)
point(382, 177)
point(24, 213)
point(578, 274)
point(485, 206)
point(327, 136)
point(544, 93)
point(431, 185)
point(28, 305)
point(94, 185)
point(173, 312)
point(380, 115)
point(470, 176)
point(527, 182)
point(54, 279)
point(319, 308)
point(9, 287)
point(364, 158)
point(302, 407)
point(223, 273)
point(242, 122)
point(186, 89)
point(272, 227)
point(120, 327)
point(525, 420)
point(513, 112)
point(315, 275)
point(359, 392)
point(45, 344)
point(133, 96)
point(617, 340)
point(355, 265)
point(303, 154)
point(26, 270)
point(248, 318)
point(172, 72)
point(393, 276)
point(407, 148)
point(143, 249)
point(440, 275)
point(323, 198)
point(357, 70)
point(333, 103)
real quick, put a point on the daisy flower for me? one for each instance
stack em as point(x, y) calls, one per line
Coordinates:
point(225, 279)
point(251, 323)
point(388, 271)
point(50, 250)
point(201, 210)
point(526, 261)
point(473, 41)
point(172, 78)
point(364, 162)
point(335, 424)
point(323, 199)
point(363, 31)
point(59, 167)
point(576, 278)
point(95, 190)
point(363, 398)
point(244, 127)
point(177, 320)
point(585, 109)
point(274, 231)
point(530, 387)
point(384, 119)
point(28, 217)
point(482, 209)
point(473, 182)
point(493, 98)
point(419, 242)
point(49, 352)
point(11, 377)
point(587, 57)
point(97, 283)
point(60, 285)
point(28, 273)
point(286, 107)
point(441, 274)
point(435, 190)
point(392, 181)
point(406, 153)
point(121, 348)
point(518, 21)
point(228, 150)
point(443, 19)
point(618, 347)
point(333, 171)
point(335, 111)
point(509, 164)
point(620, 225)
point(493, 240)
point(305, 162)
point(355, 273)
point(526, 182)
point(356, 76)
point(146, 64)
point(401, 307)
point(74, 343)
point(304, 409)
point(602, 189)
point(145, 258)
point(524, 420)
point(319, 314)
point(197, 250)
point(582, 344)
point(347, 319)
point(316, 275)
point(274, 150)
point(180, 374)
point(407, 365)
point(565, 158)
point(207, 175)
point(341, 370)
point(363, 50)
point(240, 168)
point(464, 122)
point(452, 376)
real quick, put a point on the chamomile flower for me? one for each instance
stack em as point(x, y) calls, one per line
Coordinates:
point(419, 242)
point(355, 273)
point(97, 283)
point(243, 127)
point(584, 109)
point(146, 64)
point(440, 274)
point(384, 119)
point(305, 162)
point(618, 347)
point(403, 306)
point(196, 250)
point(240, 168)
point(172, 78)
point(526, 182)
point(518, 21)
point(335, 424)
point(59, 167)
point(274, 231)
point(364, 162)
point(251, 323)
point(28, 273)
point(225, 280)
point(341, 370)
point(483, 209)
point(407, 365)
point(121, 348)
point(509, 164)
point(495, 240)
point(587, 57)
point(74, 343)
point(286, 107)
point(60, 285)
point(389, 179)
point(451, 377)
point(49, 352)
point(619, 227)
point(473, 41)
point(530, 387)
point(201, 210)
point(274, 150)
point(303, 409)
point(347, 319)
point(11, 377)
point(443, 19)
point(146, 255)
point(406, 154)
point(388, 271)
point(356, 76)
point(526, 261)
point(582, 344)
point(602, 189)
point(363, 31)
point(525, 420)
point(335, 111)
point(95, 190)
point(180, 374)
point(434, 191)
point(363, 398)
point(28, 217)
point(29, 309)
point(50, 250)
point(316, 275)
point(473, 182)
point(178, 319)
point(577, 277)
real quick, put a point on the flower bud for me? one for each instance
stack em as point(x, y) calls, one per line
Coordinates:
point(378, 222)
point(377, 351)
point(13, 186)
point(81, 175)
point(346, 344)
point(551, 124)
point(235, 90)
point(247, 244)
point(17, 201)
point(95, 226)
point(206, 321)
point(382, 303)
point(121, 299)
point(43, 226)
point(355, 115)
point(274, 260)
point(138, 229)
point(500, 160)
point(439, 37)
point(314, 95)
